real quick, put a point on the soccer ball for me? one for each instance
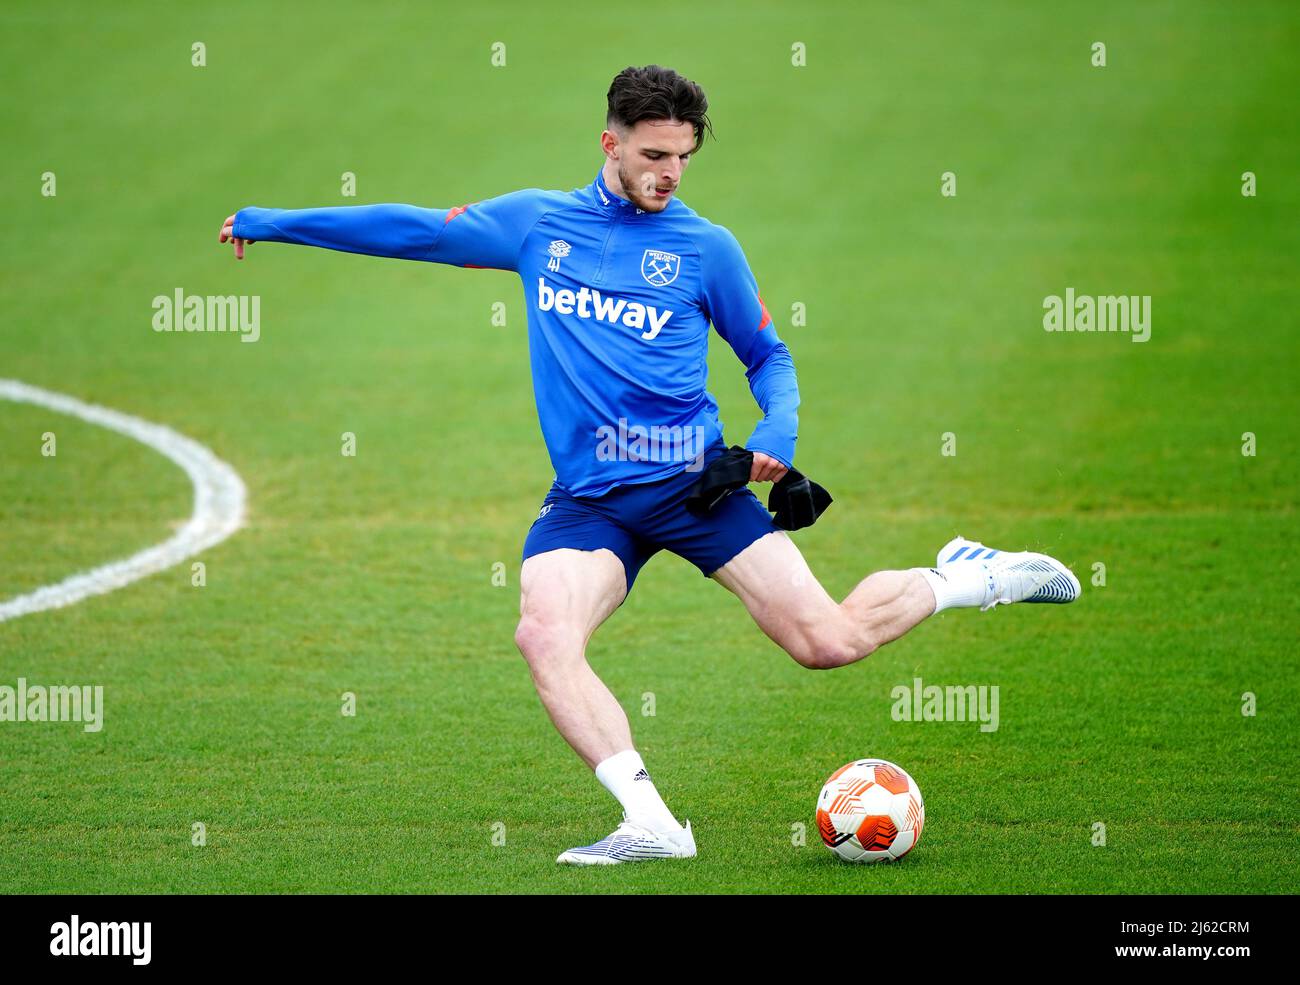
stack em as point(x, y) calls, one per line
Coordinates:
point(870, 811)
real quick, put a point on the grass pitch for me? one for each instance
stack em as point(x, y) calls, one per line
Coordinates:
point(374, 574)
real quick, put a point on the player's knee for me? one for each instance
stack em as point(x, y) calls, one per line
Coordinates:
point(826, 651)
point(542, 641)
point(531, 637)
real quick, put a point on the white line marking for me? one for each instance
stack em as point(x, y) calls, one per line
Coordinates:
point(219, 497)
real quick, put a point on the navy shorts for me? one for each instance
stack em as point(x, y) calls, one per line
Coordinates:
point(638, 521)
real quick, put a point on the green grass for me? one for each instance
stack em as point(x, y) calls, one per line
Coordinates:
point(373, 574)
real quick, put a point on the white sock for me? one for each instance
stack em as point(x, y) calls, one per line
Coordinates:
point(959, 585)
point(625, 776)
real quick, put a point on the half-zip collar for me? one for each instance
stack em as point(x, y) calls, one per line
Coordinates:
point(612, 205)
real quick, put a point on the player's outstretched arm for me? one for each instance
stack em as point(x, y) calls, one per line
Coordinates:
point(740, 317)
point(483, 234)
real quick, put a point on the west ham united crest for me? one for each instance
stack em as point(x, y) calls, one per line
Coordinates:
point(660, 268)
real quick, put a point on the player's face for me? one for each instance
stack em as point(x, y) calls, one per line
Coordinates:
point(651, 160)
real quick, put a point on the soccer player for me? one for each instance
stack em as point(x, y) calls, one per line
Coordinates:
point(622, 281)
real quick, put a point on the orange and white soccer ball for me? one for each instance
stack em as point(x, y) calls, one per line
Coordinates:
point(870, 811)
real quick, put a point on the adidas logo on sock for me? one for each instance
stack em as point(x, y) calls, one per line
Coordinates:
point(641, 775)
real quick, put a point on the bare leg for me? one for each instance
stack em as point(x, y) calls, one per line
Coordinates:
point(774, 582)
point(564, 595)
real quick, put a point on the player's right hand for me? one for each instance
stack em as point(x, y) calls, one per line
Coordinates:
point(228, 233)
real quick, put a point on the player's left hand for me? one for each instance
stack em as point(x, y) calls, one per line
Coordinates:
point(766, 469)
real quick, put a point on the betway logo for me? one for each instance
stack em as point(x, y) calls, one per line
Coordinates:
point(587, 303)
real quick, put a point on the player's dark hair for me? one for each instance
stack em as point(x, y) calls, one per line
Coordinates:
point(657, 93)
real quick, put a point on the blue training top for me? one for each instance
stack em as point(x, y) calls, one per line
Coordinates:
point(619, 306)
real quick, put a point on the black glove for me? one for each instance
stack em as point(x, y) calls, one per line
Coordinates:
point(796, 500)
